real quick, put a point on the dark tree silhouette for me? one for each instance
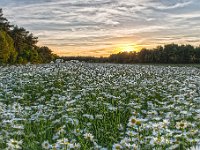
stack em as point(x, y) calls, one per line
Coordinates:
point(170, 53)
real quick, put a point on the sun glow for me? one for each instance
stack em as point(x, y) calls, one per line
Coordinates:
point(127, 48)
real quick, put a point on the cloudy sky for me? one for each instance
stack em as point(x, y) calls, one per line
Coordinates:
point(102, 27)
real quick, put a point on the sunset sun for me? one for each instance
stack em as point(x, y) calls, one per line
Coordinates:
point(127, 48)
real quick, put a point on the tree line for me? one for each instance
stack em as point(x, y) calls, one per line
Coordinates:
point(170, 53)
point(17, 45)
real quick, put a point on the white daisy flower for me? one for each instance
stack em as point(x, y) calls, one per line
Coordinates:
point(46, 145)
point(88, 136)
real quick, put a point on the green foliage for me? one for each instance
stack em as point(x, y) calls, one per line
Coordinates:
point(20, 60)
point(17, 45)
point(45, 54)
point(7, 51)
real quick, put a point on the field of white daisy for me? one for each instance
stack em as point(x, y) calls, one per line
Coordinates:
point(84, 106)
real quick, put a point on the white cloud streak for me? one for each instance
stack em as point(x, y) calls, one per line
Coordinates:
point(97, 26)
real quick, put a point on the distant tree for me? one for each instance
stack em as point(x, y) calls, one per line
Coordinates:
point(45, 54)
point(34, 57)
point(23, 40)
point(7, 51)
point(170, 53)
point(142, 55)
point(4, 24)
point(197, 54)
point(157, 54)
point(25, 44)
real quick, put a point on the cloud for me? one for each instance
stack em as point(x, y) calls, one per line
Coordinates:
point(72, 26)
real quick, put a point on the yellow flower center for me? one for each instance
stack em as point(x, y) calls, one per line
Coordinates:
point(118, 147)
point(138, 123)
point(14, 143)
point(133, 121)
point(182, 125)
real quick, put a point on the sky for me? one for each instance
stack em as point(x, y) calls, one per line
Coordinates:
point(103, 27)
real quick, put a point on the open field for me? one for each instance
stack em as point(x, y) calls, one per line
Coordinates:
point(99, 106)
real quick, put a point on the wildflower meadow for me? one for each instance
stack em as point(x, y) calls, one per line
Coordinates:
point(74, 105)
